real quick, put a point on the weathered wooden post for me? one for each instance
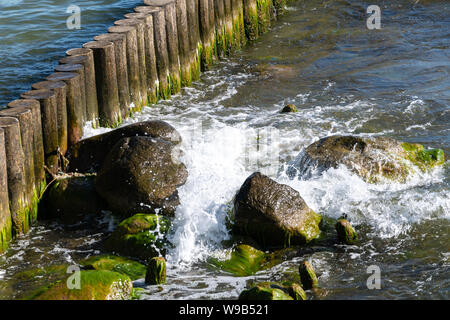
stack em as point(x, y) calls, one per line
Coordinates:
point(120, 48)
point(25, 117)
point(91, 86)
point(219, 17)
point(38, 143)
point(76, 68)
point(60, 88)
point(47, 100)
point(237, 7)
point(75, 112)
point(183, 43)
point(106, 80)
point(87, 60)
point(150, 55)
point(16, 176)
point(161, 51)
point(5, 215)
point(264, 15)
point(251, 19)
point(170, 14)
point(195, 43)
point(229, 29)
point(134, 80)
point(206, 28)
point(140, 34)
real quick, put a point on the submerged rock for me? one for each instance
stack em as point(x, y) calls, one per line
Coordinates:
point(156, 271)
point(72, 198)
point(141, 236)
point(307, 275)
point(244, 261)
point(88, 154)
point(274, 291)
point(289, 108)
point(94, 285)
point(346, 233)
point(141, 174)
point(130, 268)
point(373, 159)
point(273, 214)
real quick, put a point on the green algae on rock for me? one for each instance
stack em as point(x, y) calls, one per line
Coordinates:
point(131, 268)
point(274, 291)
point(307, 275)
point(289, 108)
point(345, 231)
point(141, 236)
point(244, 261)
point(156, 271)
point(273, 214)
point(94, 285)
point(375, 159)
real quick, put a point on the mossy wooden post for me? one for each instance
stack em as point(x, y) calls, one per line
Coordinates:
point(229, 31)
point(162, 53)
point(345, 231)
point(87, 61)
point(134, 80)
point(150, 58)
point(106, 79)
point(251, 19)
point(183, 43)
point(74, 105)
point(264, 15)
point(156, 271)
point(237, 7)
point(219, 18)
point(77, 68)
point(91, 86)
point(279, 6)
point(25, 117)
point(59, 88)
point(307, 275)
point(16, 175)
point(170, 14)
point(47, 100)
point(194, 37)
point(140, 36)
point(120, 48)
point(38, 143)
point(206, 27)
point(5, 215)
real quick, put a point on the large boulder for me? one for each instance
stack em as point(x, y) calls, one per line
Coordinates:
point(71, 199)
point(141, 174)
point(88, 154)
point(141, 236)
point(94, 285)
point(273, 214)
point(374, 159)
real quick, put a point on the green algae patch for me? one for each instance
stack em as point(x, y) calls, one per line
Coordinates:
point(141, 236)
point(244, 261)
point(132, 269)
point(94, 285)
point(423, 159)
point(272, 291)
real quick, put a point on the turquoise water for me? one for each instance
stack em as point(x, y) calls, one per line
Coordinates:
point(345, 79)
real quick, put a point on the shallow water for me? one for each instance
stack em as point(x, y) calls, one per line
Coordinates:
point(345, 79)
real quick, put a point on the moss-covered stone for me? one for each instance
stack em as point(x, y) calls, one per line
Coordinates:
point(307, 275)
point(289, 108)
point(346, 233)
point(132, 269)
point(94, 285)
point(141, 236)
point(244, 261)
point(265, 291)
point(156, 271)
point(296, 291)
point(424, 159)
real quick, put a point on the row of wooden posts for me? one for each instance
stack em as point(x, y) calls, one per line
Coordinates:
point(147, 56)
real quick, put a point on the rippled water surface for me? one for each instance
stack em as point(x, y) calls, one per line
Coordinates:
point(345, 79)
